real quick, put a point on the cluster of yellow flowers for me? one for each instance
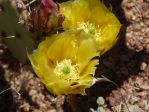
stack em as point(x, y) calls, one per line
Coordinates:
point(65, 62)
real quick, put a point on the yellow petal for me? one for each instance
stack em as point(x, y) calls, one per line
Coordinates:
point(86, 51)
point(73, 13)
point(64, 46)
point(90, 68)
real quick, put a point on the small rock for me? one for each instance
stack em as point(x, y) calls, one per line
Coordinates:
point(143, 66)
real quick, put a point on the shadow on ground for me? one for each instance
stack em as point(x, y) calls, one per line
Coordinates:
point(6, 98)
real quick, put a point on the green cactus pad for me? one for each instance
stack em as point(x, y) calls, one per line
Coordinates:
point(18, 39)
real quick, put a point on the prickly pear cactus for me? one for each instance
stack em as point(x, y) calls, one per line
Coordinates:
point(16, 36)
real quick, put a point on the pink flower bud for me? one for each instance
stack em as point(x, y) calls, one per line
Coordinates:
point(45, 17)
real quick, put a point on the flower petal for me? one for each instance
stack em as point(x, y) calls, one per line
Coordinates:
point(90, 68)
point(64, 47)
point(72, 13)
point(86, 51)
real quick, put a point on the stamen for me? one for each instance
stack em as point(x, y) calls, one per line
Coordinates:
point(66, 70)
point(89, 28)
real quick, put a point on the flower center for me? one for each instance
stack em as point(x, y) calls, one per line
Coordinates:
point(92, 31)
point(66, 70)
point(89, 28)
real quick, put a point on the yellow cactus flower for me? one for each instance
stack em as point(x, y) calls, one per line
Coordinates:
point(94, 18)
point(64, 62)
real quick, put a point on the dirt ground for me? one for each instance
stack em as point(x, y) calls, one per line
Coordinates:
point(126, 65)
